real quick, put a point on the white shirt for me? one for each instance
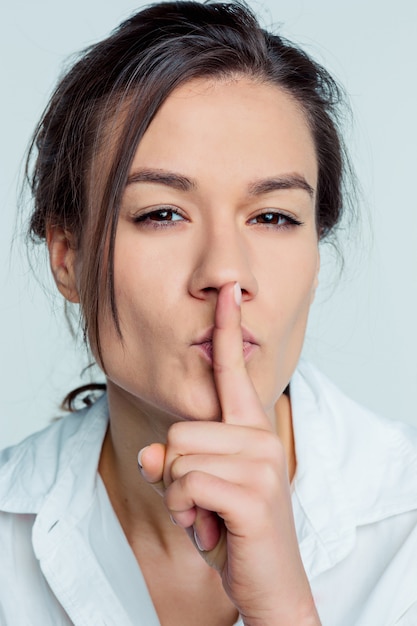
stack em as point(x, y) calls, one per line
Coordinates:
point(65, 560)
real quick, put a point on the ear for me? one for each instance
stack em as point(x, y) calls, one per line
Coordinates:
point(62, 258)
point(316, 277)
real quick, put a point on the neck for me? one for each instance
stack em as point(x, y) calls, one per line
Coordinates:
point(284, 430)
point(131, 428)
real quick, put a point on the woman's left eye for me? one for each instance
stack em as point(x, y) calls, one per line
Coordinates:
point(274, 218)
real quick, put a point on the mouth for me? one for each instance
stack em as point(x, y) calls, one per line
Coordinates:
point(205, 344)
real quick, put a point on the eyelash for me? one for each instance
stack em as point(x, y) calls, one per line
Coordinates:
point(149, 221)
point(290, 222)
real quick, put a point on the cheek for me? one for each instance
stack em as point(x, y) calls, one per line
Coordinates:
point(305, 278)
point(292, 281)
point(293, 287)
point(132, 301)
point(300, 288)
point(147, 290)
point(137, 280)
point(302, 284)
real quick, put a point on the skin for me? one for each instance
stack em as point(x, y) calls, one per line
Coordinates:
point(223, 159)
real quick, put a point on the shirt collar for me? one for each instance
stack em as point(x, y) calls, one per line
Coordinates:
point(50, 461)
point(353, 468)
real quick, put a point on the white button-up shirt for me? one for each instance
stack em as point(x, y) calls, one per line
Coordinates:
point(64, 558)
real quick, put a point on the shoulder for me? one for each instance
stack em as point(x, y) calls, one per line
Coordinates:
point(355, 501)
point(30, 469)
point(48, 477)
point(25, 595)
point(343, 417)
point(375, 457)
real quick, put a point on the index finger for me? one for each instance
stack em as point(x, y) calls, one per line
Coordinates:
point(238, 398)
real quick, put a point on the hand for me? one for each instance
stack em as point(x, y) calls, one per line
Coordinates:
point(227, 484)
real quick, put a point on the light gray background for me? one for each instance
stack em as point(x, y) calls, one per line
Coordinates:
point(363, 325)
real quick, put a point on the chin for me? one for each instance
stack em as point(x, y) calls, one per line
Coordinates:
point(192, 401)
point(204, 407)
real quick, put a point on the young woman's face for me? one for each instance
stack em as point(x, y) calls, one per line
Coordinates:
point(222, 188)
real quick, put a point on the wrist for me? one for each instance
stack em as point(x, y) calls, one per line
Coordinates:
point(302, 616)
point(311, 620)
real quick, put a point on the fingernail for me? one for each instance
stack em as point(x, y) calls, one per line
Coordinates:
point(140, 453)
point(237, 293)
point(173, 520)
point(198, 542)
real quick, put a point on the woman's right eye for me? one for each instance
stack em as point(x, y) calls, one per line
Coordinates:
point(159, 218)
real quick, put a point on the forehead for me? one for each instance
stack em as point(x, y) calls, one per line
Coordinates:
point(228, 131)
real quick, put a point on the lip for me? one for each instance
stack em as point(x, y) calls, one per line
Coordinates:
point(205, 343)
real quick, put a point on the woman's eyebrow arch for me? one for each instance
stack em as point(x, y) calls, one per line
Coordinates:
point(183, 183)
point(161, 177)
point(276, 183)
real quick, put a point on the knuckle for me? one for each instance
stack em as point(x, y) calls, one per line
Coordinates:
point(270, 465)
point(191, 481)
point(270, 478)
point(273, 450)
point(178, 468)
point(175, 435)
point(182, 488)
point(264, 480)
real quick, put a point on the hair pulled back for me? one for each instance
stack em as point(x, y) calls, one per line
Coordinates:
point(88, 135)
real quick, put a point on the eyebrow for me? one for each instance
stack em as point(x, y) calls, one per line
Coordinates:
point(162, 177)
point(288, 181)
point(257, 188)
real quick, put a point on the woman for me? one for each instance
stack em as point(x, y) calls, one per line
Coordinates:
point(187, 168)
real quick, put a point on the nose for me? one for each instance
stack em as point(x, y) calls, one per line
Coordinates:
point(223, 255)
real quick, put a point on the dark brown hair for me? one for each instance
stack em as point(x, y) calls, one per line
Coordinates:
point(85, 142)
